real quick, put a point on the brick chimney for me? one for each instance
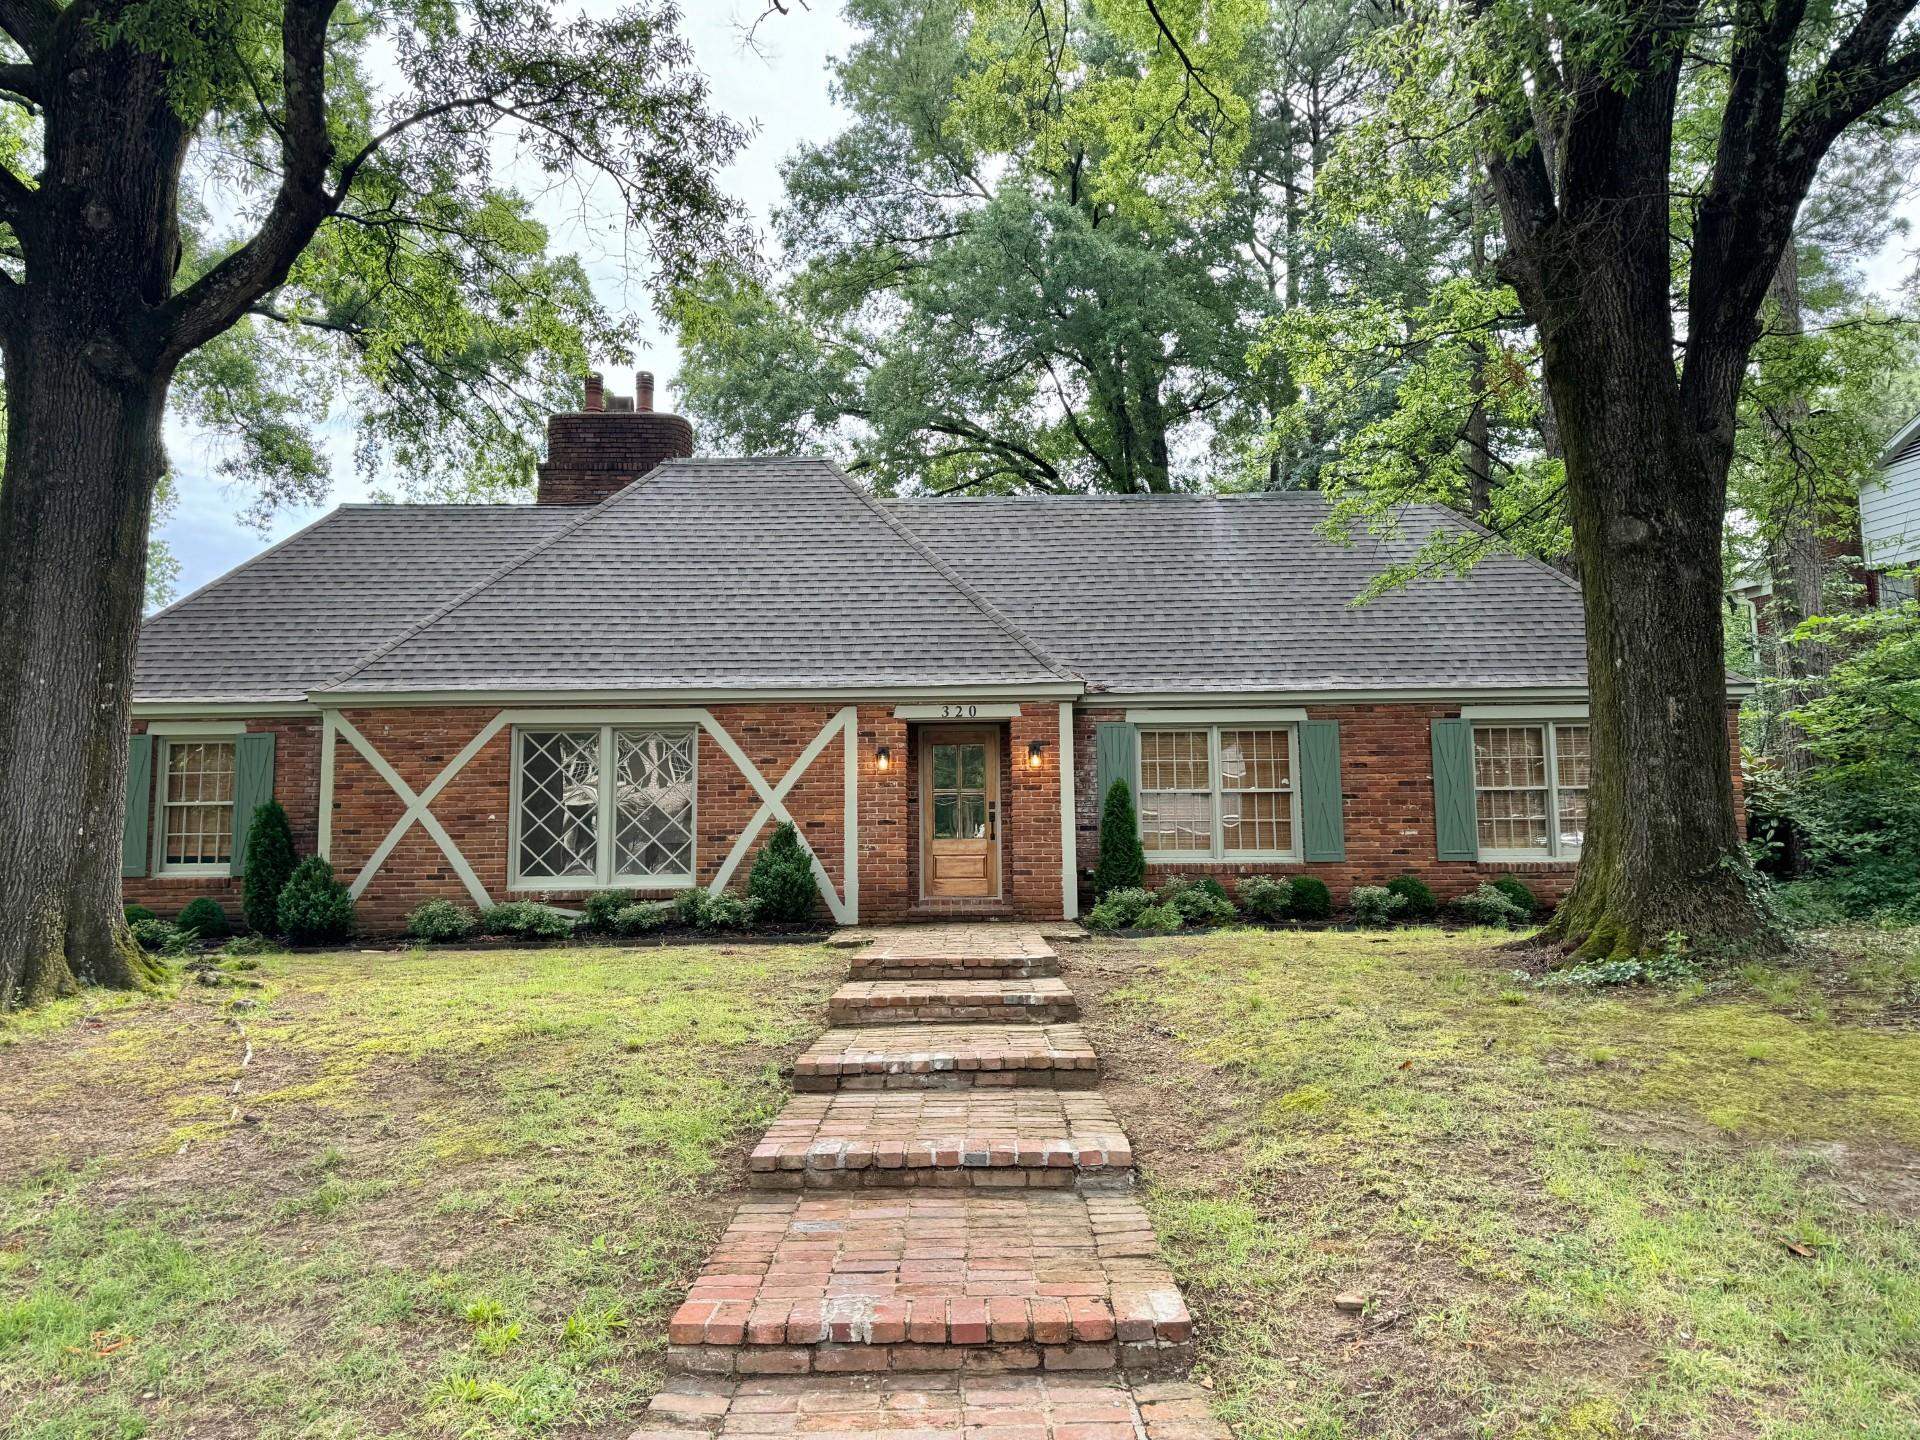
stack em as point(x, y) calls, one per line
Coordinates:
point(607, 444)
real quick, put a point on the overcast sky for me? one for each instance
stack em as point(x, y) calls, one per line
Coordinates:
point(782, 90)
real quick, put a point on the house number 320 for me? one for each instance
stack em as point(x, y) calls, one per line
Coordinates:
point(959, 712)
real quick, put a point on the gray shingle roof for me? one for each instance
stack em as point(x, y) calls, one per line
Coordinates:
point(298, 614)
point(716, 574)
point(782, 574)
point(1240, 593)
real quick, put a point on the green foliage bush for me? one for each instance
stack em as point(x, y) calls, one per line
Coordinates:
point(642, 916)
point(1673, 965)
point(1158, 920)
point(250, 945)
point(1119, 909)
point(1123, 863)
point(315, 908)
point(700, 910)
point(203, 919)
point(1311, 899)
point(441, 920)
point(781, 883)
point(270, 864)
point(1265, 897)
point(139, 912)
point(1421, 903)
point(1200, 902)
point(527, 919)
point(1520, 893)
point(1489, 905)
point(1375, 905)
point(157, 937)
point(597, 914)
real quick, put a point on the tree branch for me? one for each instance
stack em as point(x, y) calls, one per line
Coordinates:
point(29, 23)
point(22, 81)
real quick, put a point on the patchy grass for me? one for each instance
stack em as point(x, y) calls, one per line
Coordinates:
point(1640, 1213)
point(455, 1193)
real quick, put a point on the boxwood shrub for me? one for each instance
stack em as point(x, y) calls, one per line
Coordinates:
point(1421, 904)
point(1311, 899)
point(441, 920)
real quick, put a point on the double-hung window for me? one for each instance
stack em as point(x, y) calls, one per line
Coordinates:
point(1213, 792)
point(1530, 789)
point(194, 826)
point(603, 805)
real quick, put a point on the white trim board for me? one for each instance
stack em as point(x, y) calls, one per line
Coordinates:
point(707, 695)
point(1245, 715)
point(1069, 834)
point(974, 712)
point(1523, 712)
point(204, 728)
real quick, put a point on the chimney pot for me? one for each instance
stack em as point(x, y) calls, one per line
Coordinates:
point(643, 390)
point(596, 400)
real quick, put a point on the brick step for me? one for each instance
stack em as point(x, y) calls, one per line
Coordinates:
point(946, 1057)
point(951, 1406)
point(886, 968)
point(917, 1280)
point(979, 1138)
point(887, 1002)
point(955, 952)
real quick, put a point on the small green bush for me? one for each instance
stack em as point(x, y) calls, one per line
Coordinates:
point(1158, 920)
point(270, 864)
point(1265, 897)
point(139, 912)
point(315, 908)
point(1120, 909)
point(1311, 899)
point(1518, 891)
point(1375, 905)
point(1421, 903)
point(642, 916)
point(1202, 902)
point(203, 919)
point(1673, 965)
point(597, 914)
point(157, 937)
point(781, 883)
point(1122, 864)
point(703, 911)
point(526, 919)
point(250, 945)
point(1489, 905)
point(441, 920)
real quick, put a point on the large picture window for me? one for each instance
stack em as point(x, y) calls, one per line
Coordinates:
point(195, 824)
point(1530, 789)
point(603, 805)
point(1217, 792)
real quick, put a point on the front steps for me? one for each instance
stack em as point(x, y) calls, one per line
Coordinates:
point(931, 1281)
point(948, 1199)
point(932, 1057)
point(995, 1001)
point(971, 1138)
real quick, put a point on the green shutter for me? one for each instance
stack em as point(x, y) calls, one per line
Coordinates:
point(1322, 808)
point(252, 788)
point(1115, 748)
point(133, 832)
point(1456, 833)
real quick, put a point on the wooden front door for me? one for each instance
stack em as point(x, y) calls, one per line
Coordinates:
point(960, 811)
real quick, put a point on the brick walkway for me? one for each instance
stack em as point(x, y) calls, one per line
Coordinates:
point(944, 1245)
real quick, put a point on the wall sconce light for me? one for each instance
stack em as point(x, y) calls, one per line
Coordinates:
point(883, 758)
point(1036, 752)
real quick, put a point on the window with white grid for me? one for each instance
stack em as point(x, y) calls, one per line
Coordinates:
point(603, 805)
point(196, 806)
point(1530, 789)
point(1208, 792)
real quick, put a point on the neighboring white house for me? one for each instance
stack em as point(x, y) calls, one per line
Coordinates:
point(1890, 516)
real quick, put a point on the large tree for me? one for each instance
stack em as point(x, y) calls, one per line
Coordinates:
point(247, 209)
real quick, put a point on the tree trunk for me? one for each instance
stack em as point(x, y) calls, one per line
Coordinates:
point(1662, 852)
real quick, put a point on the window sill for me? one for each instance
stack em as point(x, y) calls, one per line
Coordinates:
point(587, 885)
point(1238, 857)
point(1525, 857)
point(194, 872)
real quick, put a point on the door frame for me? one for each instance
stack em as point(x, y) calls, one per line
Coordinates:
point(925, 738)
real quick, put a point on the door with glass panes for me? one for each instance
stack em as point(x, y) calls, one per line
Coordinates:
point(959, 812)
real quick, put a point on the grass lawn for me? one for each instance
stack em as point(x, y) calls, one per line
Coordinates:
point(455, 1194)
point(1666, 1213)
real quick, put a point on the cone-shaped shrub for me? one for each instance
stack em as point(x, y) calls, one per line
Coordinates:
point(782, 879)
point(1123, 864)
point(270, 863)
point(314, 907)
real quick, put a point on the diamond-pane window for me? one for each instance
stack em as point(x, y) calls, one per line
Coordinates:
point(605, 805)
point(653, 803)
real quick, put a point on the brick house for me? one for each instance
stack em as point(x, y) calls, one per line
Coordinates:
point(627, 683)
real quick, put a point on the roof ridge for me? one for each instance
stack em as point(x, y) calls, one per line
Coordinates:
point(979, 602)
point(487, 581)
point(248, 563)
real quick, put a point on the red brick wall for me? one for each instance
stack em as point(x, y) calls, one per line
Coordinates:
point(296, 785)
